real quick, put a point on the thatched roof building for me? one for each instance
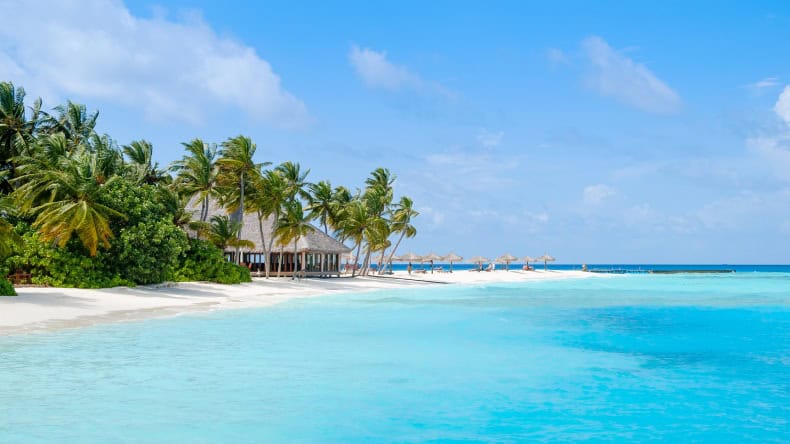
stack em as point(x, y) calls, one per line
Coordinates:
point(317, 253)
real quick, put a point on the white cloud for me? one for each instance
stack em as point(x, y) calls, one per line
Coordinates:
point(767, 82)
point(596, 194)
point(615, 75)
point(377, 71)
point(774, 148)
point(782, 106)
point(490, 139)
point(96, 49)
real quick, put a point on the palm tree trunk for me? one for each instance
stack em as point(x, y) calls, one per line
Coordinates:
point(381, 261)
point(263, 245)
point(293, 275)
point(275, 216)
point(366, 265)
point(280, 262)
point(204, 209)
point(241, 217)
point(356, 259)
point(392, 253)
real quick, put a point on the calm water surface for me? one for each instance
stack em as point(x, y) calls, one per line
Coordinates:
point(628, 358)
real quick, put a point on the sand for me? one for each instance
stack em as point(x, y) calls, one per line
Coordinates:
point(43, 309)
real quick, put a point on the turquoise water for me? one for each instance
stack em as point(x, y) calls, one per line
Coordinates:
point(628, 358)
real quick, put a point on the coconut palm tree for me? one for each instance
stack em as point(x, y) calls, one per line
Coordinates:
point(379, 243)
point(16, 130)
point(73, 120)
point(9, 240)
point(293, 225)
point(320, 203)
point(380, 178)
point(295, 179)
point(266, 198)
point(223, 233)
point(65, 200)
point(400, 222)
point(141, 167)
point(105, 155)
point(377, 200)
point(359, 224)
point(236, 168)
point(341, 197)
point(196, 174)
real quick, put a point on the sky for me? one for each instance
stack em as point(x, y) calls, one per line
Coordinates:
point(598, 132)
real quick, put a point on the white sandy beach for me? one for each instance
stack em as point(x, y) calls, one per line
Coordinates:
point(37, 309)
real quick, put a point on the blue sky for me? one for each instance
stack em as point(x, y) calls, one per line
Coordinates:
point(594, 131)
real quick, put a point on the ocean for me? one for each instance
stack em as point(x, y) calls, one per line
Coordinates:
point(626, 358)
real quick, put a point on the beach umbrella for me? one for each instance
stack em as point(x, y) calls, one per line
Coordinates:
point(452, 257)
point(410, 257)
point(430, 257)
point(506, 259)
point(546, 258)
point(478, 260)
point(528, 259)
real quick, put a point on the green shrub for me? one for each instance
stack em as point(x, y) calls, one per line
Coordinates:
point(6, 289)
point(147, 253)
point(147, 248)
point(232, 274)
point(70, 266)
point(205, 262)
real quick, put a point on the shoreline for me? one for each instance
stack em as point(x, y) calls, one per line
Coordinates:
point(45, 309)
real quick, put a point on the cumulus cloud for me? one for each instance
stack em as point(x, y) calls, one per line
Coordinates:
point(596, 194)
point(774, 147)
point(490, 139)
point(782, 106)
point(170, 69)
point(614, 75)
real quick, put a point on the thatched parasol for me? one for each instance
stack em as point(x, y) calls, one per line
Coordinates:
point(410, 257)
point(452, 257)
point(506, 259)
point(546, 258)
point(479, 261)
point(430, 257)
point(528, 259)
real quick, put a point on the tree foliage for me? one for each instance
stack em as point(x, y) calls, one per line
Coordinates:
point(78, 210)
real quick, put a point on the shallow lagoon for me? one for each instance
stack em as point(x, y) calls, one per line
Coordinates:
point(682, 357)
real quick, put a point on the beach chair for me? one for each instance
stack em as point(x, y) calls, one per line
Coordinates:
point(491, 267)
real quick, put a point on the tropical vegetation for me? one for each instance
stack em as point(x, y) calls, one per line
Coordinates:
point(79, 210)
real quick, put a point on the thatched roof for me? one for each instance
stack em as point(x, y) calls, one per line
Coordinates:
point(314, 242)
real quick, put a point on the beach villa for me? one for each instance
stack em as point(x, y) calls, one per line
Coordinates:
point(317, 253)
